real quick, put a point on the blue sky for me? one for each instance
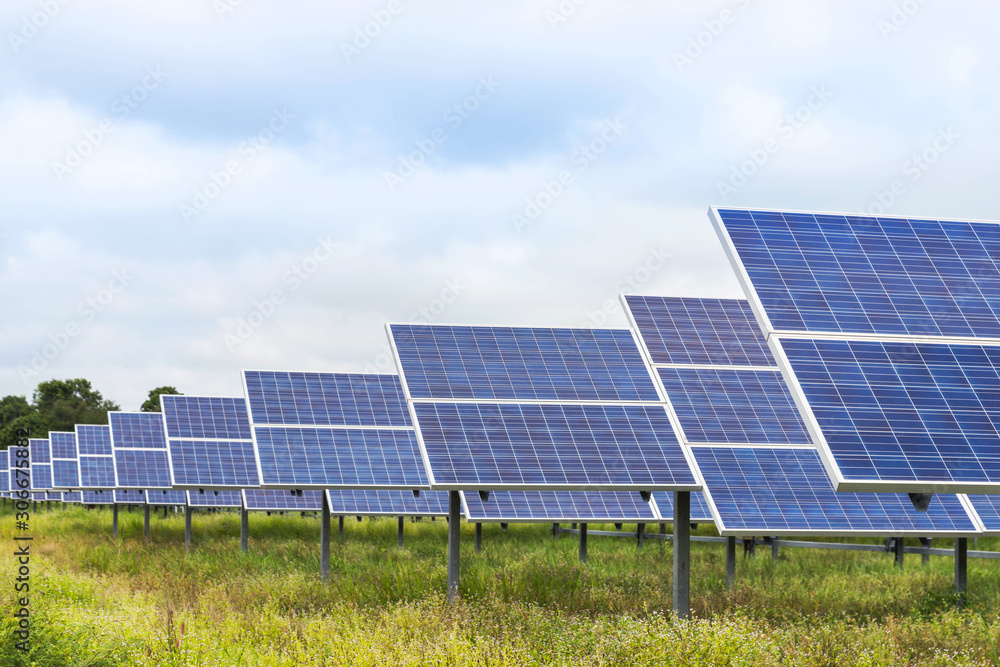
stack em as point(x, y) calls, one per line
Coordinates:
point(199, 186)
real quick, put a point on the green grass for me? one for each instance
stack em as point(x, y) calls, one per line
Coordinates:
point(525, 600)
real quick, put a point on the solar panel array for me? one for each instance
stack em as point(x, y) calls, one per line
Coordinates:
point(273, 500)
point(103, 497)
point(987, 509)
point(140, 450)
point(558, 507)
point(72, 497)
point(372, 502)
point(214, 498)
point(95, 456)
point(210, 442)
point(129, 496)
point(65, 465)
point(5, 477)
point(889, 334)
point(339, 431)
point(40, 458)
point(537, 409)
point(170, 497)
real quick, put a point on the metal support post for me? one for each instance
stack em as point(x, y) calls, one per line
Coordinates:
point(583, 543)
point(897, 548)
point(775, 548)
point(454, 537)
point(730, 562)
point(244, 530)
point(324, 539)
point(925, 557)
point(749, 547)
point(479, 538)
point(114, 521)
point(961, 566)
point(640, 534)
point(145, 528)
point(555, 531)
point(187, 527)
point(399, 531)
point(682, 553)
point(340, 528)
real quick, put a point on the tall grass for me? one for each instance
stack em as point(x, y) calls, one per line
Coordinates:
point(525, 600)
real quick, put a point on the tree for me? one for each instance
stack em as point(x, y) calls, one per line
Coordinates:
point(65, 403)
point(15, 413)
point(152, 403)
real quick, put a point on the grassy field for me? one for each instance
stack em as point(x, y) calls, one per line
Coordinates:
point(525, 600)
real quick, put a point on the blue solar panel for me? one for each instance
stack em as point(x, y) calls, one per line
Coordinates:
point(93, 439)
point(72, 497)
point(130, 496)
point(63, 444)
point(786, 491)
point(272, 500)
point(206, 418)
point(65, 474)
point(295, 457)
point(97, 472)
point(382, 502)
point(54, 495)
point(856, 274)
point(4, 472)
point(490, 363)
point(716, 332)
point(98, 497)
point(215, 499)
point(493, 446)
point(41, 464)
point(325, 399)
point(39, 451)
point(701, 512)
point(161, 497)
point(734, 406)
point(987, 508)
point(558, 507)
point(38, 495)
point(137, 430)
point(899, 412)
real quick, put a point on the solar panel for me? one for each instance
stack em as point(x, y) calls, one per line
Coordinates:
point(541, 446)
point(273, 500)
point(38, 496)
point(40, 458)
point(160, 497)
point(54, 495)
point(325, 399)
point(386, 502)
point(74, 497)
point(786, 491)
point(558, 507)
point(140, 448)
point(987, 508)
point(687, 331)
point(735, 406)
point(65, 466)
point(503, 363)
point(701, 512)
point(130, 496)
point(863, 275)
point(5, 486)
point(210, 442)
point(95, 456)
point(98, 497)
point(301, 453)
point(215, 499)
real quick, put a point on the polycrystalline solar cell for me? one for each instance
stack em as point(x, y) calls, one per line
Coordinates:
point(98, 497)
point(137, 430)
point(734, 406)
point(4, 471)
point(130, 496)
point(54, 495)
point(162, 497)
point(558, 506)
point(857, 274)
point(786, 491)
point(41, 476)
point(490, 363)
point(214, 498)
point(893, 412)
point(206, 418)
point(65, 474)
point(216, 464)
point(97, 472)
point(72, 497)
point(142, 469)
point(388, 502)
point(273, 500)
point(717, 332)
point(301, 457)
point(38, 496)
point(39, 451)
point(325, 399)
point(93, 439)
point(700, 510)
point(63, 444)
point(609, 447)
point(987, 507)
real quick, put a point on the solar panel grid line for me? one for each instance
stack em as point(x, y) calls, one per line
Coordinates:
point(411, 409)
point(986, 509)
point(714, 367)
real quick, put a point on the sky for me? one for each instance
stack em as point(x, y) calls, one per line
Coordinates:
point(195, 187)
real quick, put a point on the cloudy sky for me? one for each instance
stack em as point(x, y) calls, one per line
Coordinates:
point(192, 187)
